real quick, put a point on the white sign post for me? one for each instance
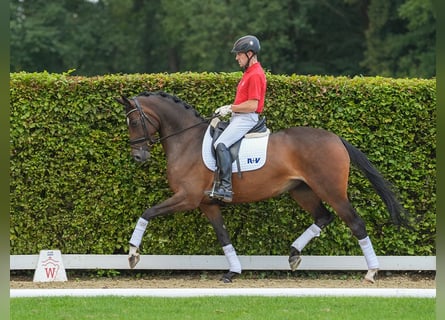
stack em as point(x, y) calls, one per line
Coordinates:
point(50, 267)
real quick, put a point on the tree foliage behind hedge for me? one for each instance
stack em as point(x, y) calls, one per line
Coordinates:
point(75, 187)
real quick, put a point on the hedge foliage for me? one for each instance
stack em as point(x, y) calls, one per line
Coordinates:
point(75, 187)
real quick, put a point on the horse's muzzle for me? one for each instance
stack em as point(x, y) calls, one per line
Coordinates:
point(140, 155)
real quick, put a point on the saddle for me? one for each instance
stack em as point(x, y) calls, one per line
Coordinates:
point(217, 127)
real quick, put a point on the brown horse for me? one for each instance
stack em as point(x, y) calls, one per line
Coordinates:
point(311, 164)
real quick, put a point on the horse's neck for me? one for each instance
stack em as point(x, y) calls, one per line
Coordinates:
point(180, 129)
point(184, 149)
point(175, 124)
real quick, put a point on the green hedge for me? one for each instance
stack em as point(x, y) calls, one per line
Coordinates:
point(75, 187)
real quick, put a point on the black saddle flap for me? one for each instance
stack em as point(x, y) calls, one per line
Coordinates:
point(260, 126)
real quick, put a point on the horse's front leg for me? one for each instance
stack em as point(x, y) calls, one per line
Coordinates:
point(213, 213)
point(177, 202)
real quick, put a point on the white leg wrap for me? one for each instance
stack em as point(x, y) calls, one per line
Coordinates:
point(138, 232)
point(368, 252)
point(232, 258)
point(310, 233)
point(133, 251)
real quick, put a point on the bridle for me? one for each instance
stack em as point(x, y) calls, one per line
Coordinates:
point(147, 138)
point(142, 116)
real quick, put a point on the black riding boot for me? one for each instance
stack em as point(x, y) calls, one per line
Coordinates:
point(223, 190)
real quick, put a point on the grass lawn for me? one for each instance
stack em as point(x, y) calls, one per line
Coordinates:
point(215, 308)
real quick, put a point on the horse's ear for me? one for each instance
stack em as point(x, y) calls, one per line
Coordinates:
point(123, 100)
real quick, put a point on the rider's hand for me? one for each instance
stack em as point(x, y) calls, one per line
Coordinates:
point(224, 110)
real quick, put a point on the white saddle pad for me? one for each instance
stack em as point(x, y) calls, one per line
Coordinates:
point(252, 153)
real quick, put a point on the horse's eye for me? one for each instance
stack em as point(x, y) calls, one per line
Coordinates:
point(132, 123)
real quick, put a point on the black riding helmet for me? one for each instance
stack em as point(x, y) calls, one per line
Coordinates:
point(246, 44)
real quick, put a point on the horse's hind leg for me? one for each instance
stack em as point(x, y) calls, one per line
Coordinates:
point(322, 217)
point(310, 202)
point(348, 214)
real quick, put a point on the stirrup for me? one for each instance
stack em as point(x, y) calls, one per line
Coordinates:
point(220, 194)
point(211, 193)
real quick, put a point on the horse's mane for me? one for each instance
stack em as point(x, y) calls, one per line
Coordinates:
point(172, 97)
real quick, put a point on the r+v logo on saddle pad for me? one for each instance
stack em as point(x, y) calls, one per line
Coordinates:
point(253, 160)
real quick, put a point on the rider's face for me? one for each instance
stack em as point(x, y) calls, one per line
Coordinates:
point(242, 58)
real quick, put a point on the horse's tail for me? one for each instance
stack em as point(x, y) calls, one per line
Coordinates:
point(382, 187)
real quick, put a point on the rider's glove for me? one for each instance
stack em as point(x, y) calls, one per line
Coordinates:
point(224, 110)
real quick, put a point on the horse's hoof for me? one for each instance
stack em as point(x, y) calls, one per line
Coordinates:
point(294, 258)
point(294, 262)
point(134, 259)
point(227, 278)
point(370, 275)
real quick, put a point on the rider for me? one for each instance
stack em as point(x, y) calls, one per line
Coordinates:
point(249, 102)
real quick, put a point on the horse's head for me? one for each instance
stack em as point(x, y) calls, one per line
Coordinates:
point(140, 127)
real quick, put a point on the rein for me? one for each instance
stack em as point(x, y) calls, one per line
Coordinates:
point(147, 137)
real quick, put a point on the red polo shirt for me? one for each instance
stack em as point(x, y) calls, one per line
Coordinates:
point(252, 86)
